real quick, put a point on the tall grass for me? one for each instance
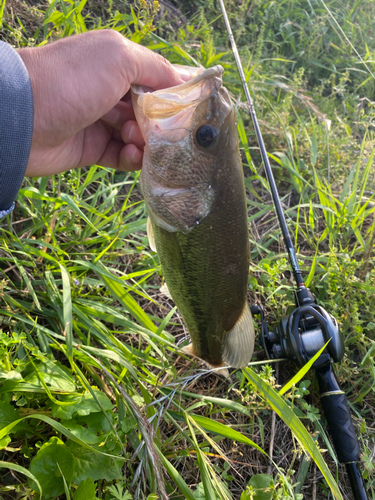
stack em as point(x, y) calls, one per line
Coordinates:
point(95, 392)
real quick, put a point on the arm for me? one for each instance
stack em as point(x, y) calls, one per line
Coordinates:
point(67, 105)
point(83, 111)
point(16, 125)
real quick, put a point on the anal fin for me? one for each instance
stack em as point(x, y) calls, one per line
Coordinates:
point(165, 291)
point(220, 370)
point(150, 234)
point(239, 341)
point(188, 349)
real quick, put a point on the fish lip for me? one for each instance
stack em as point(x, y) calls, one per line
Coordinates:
point(214, 71)
point(173, 108)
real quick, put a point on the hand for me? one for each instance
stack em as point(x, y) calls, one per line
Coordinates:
point(82, 108)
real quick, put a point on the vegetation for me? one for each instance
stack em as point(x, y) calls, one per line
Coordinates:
point(96, 398)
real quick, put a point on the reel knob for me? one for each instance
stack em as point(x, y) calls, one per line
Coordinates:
point(276, 351)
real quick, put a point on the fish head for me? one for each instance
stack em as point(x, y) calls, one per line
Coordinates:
point(190, 134)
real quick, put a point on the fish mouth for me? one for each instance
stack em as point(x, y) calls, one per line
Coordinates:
point(165, 103)
point(175, 109)
point(186, 128)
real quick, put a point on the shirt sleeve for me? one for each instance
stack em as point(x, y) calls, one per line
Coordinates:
point(16, 125)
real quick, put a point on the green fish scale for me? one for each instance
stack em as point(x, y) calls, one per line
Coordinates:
point(206, 269)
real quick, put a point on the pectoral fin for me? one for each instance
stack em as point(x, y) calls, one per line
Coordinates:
point(239, 341)
point(150, 235)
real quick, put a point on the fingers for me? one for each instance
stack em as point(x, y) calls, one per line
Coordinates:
point(121, 118)
point(117, 116)
point(127, 158)
point(131, 134)
point(130, 158)
point(125, 130)
point(106, 146)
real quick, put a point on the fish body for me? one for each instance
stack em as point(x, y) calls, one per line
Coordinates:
point(193, 185)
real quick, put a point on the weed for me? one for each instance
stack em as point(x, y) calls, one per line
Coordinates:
point(96, 400)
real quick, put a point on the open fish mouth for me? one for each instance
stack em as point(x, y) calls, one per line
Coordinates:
point(165, 103)
point(186, 128)
point(174, 110)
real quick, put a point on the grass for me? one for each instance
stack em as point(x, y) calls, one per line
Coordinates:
point(96, 398)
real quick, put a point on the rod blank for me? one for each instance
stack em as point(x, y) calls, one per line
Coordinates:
point(271, 181)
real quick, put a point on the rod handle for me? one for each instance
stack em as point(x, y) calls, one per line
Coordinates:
point(340, 426)
point(356, 482)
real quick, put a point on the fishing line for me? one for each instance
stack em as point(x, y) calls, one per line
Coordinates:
point(271, 181)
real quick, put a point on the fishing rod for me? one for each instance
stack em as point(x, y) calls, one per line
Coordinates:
point(309, 327)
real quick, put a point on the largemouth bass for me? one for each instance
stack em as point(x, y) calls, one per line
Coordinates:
point(192, 182)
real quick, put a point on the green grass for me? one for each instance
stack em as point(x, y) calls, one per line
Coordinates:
point(96, 399)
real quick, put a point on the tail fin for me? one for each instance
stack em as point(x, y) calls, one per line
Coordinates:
point(239, 342)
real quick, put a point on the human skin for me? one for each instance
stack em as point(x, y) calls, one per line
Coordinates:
point(82, 109)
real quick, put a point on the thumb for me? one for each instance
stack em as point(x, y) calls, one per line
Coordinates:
point(151, 69)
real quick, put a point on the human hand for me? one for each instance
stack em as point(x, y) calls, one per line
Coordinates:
point(82, 109)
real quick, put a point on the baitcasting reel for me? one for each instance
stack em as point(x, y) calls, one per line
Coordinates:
point(299, 337)
point(304, 332)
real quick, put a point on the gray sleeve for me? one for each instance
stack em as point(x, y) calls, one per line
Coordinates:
point(16, 125)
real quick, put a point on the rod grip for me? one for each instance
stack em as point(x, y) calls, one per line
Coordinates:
point(340, 426)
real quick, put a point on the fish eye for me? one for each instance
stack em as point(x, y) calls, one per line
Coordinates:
point(206, 135)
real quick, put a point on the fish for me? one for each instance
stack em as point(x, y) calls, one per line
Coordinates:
point(193, 185)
